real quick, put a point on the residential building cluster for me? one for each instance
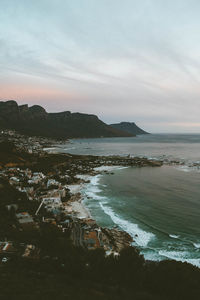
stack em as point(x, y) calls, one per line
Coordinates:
point(52, 199)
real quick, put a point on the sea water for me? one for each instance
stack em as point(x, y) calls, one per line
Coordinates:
point(159, 207)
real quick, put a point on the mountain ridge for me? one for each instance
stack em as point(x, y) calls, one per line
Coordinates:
point(34, 120)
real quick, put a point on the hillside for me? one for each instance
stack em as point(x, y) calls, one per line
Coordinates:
point(36, 121)
point(129, 127)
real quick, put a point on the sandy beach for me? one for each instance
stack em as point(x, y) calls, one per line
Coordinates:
point(76, 205)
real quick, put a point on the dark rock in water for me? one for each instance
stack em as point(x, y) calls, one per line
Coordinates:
point(129, 127)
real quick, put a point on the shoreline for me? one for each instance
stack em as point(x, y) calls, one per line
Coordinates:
point(77, 205)
point(115, 236)
point(62, 178)
point(117, 226)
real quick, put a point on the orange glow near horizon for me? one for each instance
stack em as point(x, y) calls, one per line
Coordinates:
point(20, 91)
point(40, 95)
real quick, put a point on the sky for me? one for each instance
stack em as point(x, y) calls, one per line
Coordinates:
point(123, 60)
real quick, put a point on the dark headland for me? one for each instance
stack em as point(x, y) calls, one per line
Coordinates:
point(36, 121)
point(129, 127)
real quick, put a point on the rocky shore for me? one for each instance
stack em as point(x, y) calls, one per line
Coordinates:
point(116, 238)
point(54, 183)
point(50, 244)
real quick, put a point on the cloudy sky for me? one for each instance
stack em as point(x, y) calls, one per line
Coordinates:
point(124, 60)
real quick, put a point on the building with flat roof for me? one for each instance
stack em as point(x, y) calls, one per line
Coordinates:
point(25, 220)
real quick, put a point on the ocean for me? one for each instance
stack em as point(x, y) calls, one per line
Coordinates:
point(159, 207)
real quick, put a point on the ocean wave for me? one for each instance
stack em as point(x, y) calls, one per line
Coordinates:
point(151, 254)
point(71, 148)
point(184, 168)
point(93, 192)
point(188, 169)
point(109, 168)
point(141, 237)
point(196, 245)
point(94, 196)
point(170, 249)
point(93, 189)
point(174, 236)
point(182, 256)
point(49, 149)
point(95, 180)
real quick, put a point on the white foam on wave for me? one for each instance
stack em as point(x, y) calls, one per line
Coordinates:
point(109, 168)
point(95, 179)
point(141, 237)
point(196, 245)
point(174, 236)
point(71, 148)
point(188, 169)
point(184, 169)
point(151, 255)
point(94, 183)
point(94, 196)
point(93, 188)
point(49, 149)
point(121, 168)
point(84, 176)
point(182, 256)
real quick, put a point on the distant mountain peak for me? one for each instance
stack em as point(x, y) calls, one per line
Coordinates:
point(129, 127)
